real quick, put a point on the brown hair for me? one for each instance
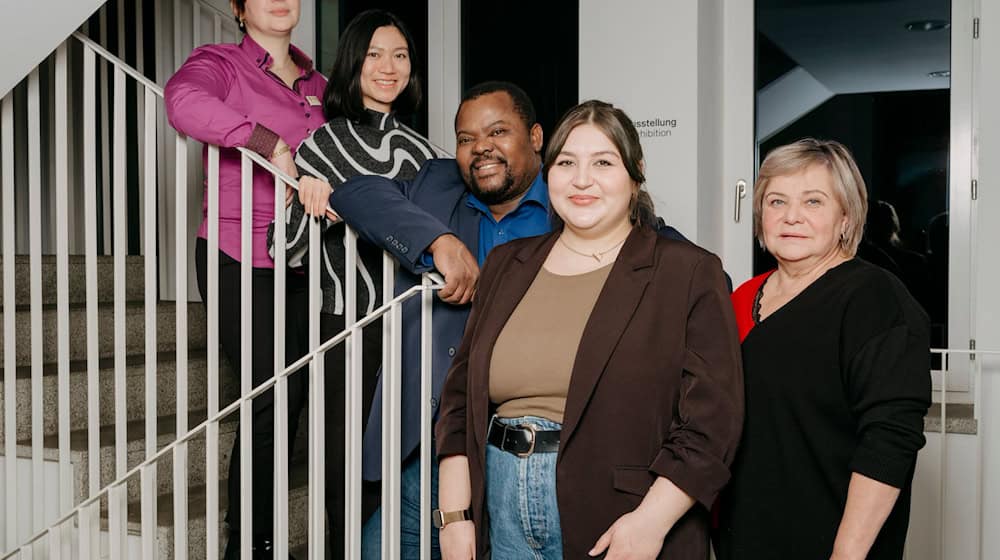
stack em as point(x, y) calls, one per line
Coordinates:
point(616, 125)
point(848, 185)
point(239, 6)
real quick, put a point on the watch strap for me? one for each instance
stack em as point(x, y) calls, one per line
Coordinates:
point(443, 518)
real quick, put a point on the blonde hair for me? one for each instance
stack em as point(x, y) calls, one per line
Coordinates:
point(848, 185)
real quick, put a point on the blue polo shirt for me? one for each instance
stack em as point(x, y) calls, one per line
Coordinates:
point(531, 217)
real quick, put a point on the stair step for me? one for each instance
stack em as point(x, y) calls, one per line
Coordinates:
point(135, 328)
point(77, 279)
point(136, 452)
point(135, 390)
point(298, 499)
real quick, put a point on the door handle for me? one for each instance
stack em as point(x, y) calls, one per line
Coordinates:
point(741, 193)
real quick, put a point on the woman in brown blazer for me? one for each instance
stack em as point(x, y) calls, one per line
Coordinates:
point(597, 399)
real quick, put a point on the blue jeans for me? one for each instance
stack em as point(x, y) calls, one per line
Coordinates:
point(409, 523)
point(521, 500)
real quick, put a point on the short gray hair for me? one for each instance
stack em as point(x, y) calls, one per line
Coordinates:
point(848, 186)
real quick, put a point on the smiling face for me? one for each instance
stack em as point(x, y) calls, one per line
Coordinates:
point(801, 218)
point(496, 153)
point(589, 186)
point(269, 17)
point(386, 71)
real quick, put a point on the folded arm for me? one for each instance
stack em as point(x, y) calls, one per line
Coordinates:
point(195, 99)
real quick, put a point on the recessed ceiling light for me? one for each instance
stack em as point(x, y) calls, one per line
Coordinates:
point(927, 25)
point(940, 74)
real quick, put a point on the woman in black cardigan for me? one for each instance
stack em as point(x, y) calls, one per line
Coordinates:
point(837, 369)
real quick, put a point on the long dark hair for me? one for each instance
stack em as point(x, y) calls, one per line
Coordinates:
point(616, 125)
point(343, 97)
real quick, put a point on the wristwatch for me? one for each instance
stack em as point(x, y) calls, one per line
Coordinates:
point(442, 518)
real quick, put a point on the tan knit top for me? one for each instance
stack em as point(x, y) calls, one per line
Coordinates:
point(533, 357)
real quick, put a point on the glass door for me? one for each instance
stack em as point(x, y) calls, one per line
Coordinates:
point(890, 80)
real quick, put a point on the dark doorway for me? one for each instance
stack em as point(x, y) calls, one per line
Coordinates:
point(532, 44)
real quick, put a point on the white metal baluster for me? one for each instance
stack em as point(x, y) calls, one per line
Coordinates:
point(180, 452)
point(90, 234)
point(140, 110)
point(54, 538)
point(178, 47)
point(62, 295)
point(105, 142)
point(119, 204)
point(246, 357)
point(35, 248)
point(354, 362)
point(945, 371)
point(426, 423)
point(9, 324)
point(116, 521)
point(281, 443)
point(149, 475)
point(317, 417)
point(196, 23)
point(391, 463)
point(212, 434)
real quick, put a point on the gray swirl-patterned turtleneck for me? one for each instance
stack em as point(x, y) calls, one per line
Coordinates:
point(341, 149)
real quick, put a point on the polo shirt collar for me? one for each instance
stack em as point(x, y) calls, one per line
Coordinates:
point(263, 59)
point(537, 193)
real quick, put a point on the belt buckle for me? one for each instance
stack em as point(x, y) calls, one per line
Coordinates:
point(532, 437)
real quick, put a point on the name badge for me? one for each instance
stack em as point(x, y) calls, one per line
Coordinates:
point(313, 100)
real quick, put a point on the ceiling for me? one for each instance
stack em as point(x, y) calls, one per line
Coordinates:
point(855, 46)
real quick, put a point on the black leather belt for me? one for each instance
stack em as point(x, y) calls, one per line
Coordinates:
point(522, 440)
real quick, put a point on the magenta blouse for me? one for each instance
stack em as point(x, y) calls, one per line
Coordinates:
point(225, 95)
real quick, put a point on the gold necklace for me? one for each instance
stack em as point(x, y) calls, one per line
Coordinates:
point(596, 255)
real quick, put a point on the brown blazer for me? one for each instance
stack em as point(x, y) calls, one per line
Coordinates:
point(656, 388)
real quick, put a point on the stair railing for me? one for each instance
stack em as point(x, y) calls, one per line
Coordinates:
point(76, 529)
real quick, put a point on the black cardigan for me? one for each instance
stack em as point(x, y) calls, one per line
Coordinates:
point(837, 381)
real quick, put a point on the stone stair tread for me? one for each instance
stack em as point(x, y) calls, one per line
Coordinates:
point(135, 430)
point(108, 362)
point(26, 307)
point(298, 481)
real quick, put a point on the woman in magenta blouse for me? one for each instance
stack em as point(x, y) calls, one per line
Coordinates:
point(264, 95)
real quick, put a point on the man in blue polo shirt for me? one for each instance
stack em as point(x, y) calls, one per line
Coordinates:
point(448, 218)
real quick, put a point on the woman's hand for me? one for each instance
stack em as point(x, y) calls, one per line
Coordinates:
point(637, 535)
point(283, 160)
point(314, 194)
point(458, 541)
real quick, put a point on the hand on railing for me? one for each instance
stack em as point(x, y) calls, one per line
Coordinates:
point(314, 194)
point(461, 272)
point(283, 160)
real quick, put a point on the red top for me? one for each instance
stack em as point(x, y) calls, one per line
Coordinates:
point(743, 303)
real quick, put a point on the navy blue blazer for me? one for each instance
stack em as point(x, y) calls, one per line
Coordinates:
point(404, 218)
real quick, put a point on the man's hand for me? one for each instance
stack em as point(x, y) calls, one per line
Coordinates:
point(458, 541)
point(314, 194)
point(461, 272)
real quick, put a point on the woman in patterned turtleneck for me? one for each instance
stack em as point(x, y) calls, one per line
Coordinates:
point(373, 79)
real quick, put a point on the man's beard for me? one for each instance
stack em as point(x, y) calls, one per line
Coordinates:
point(507, 190)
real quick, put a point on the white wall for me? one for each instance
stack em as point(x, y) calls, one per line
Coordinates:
point(642, 56)
point(34, 32)
point(987, 327)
